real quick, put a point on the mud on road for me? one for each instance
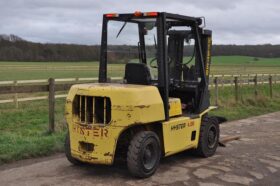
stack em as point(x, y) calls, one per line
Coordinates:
point(252, 160)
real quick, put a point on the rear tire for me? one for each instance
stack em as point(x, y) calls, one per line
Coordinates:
point(144, 154)
point(68, 151)
point(208, 137)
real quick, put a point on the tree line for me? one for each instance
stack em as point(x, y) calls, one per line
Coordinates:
point(17, 49)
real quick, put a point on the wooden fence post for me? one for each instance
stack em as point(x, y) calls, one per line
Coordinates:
point(223, 80)
point(240, 80)
point(256, 86)
point(216, 91)
point(212, 80)
point(236, 88)
point(270, 86)
point(51, 104)
point(16, 95)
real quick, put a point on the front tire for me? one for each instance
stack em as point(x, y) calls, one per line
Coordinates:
point(143, 154)
point(209, 137)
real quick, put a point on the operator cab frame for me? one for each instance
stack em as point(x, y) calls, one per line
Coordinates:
point(175, 79)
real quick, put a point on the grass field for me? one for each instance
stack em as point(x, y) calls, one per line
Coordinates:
point(44, 70)
point(23, 131)
point(248, 105)
point(244, 65)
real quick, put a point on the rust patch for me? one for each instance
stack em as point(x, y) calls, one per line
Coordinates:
point(108, 154)
point(137, 123)
point(142, 106)
point(93, 158)
point(88, 158)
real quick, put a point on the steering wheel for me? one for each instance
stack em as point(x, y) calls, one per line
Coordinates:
point(154, 59)
point(186, 64)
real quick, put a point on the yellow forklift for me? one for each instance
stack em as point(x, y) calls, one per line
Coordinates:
point(145, 118)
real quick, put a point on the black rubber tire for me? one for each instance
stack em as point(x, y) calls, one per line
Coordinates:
point(67, 149)
point(208, 126)
point(137, 153)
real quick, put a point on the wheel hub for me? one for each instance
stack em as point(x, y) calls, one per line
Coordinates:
point(212, 137)
point(149, 157)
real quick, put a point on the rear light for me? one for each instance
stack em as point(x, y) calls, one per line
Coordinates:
point(138, 13)
point(112, 15)
point(150, 14)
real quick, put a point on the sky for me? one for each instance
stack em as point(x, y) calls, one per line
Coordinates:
point(80, 21)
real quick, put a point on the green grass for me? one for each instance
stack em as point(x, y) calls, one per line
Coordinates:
point(241, 111)
point(44, 70)
point(248, 104)
point(23, 131)
point(245, 60)
point(244, 65)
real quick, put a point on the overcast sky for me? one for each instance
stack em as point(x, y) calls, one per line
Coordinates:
point(79, 21)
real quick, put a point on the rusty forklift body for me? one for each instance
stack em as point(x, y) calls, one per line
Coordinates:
point(144, 119)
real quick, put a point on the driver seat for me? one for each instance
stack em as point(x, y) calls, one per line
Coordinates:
point(137, 73)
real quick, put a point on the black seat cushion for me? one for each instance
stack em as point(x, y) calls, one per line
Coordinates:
point(137, 73)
